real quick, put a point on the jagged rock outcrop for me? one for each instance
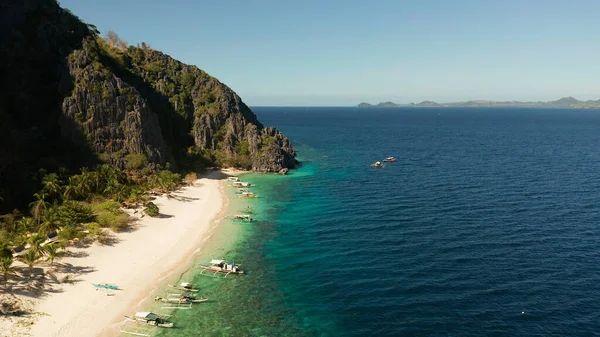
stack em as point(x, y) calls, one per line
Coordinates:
point(214, 115)
point(111, 114)
point(70, 99)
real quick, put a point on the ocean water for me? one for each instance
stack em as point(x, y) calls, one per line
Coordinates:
point(487, 225)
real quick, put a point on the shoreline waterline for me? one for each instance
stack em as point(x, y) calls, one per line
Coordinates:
point(180, 268)
point(76, 309)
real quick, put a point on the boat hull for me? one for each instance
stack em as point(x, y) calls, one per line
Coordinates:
point(184, 289)
point(105, 286)
point(176, 301)
point(219, 270)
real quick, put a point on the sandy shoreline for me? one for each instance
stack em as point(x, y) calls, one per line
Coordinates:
point(137, 263)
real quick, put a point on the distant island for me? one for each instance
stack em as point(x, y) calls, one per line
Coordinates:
point(565, 102)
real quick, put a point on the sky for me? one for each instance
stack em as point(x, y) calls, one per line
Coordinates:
point(339, 53)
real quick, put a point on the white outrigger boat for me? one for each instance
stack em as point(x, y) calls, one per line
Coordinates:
point(151, 318)
point(241, 184)
point(180, 298)
point(390, 160)
point(233, 179)
point(184, 286)
point(248, 195)
point(377, 164)
point(221, 266)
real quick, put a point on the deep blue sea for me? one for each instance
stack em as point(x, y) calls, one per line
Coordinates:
point(487, 225)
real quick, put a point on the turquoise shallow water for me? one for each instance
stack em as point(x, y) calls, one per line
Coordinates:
point(488, 213)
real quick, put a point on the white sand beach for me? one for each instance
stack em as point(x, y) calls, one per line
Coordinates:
point(136, 263)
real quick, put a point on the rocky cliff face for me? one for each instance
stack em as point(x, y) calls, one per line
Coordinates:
point(111, 114)
point(70, 99)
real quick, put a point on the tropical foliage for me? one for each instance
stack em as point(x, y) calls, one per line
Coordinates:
point(80, 206)
point(152, 210)
point(7, 268)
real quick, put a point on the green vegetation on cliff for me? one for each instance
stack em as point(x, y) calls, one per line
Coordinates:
point(70, 99)
point(137, 118)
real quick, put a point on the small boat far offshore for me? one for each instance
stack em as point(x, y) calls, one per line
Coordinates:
point(390, 160)
point(377, 164)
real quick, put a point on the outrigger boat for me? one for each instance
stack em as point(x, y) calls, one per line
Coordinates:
point(151, 319)
point(233, 179)
point(105, 286)
point(185, 286)
point(243, 218)
point(180, 299)
point(377, 164)
point(248, 195)
point(221, 266)
point(390, 159)
point(241, 184)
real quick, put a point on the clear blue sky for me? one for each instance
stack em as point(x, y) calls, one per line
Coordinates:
point(306, 52)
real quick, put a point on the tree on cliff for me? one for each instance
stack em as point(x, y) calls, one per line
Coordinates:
point(112, 38)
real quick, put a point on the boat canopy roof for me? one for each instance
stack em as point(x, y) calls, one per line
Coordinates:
point(146, 314)
point(217, 261)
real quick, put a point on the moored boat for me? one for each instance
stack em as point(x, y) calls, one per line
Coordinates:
point(243, 218)
point(233, 179)
point(184, 286)
point(241, 184)
point(377, 164)
point(105, 286)
point(390, 160)
point(222, 266)
point(180, 299)
point(150, 318)
point(248, 195)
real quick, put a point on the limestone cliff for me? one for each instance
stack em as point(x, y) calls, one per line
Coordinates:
point(70, 99)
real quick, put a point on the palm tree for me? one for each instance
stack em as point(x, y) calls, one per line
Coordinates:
point(50, 222)
point(121, 193)
point(26, 224)
point(5, 250)
point(49, 225)
point(30, 258)
point(137, 196)
point(51, 185)
point(7, 268)
point(96, 181)
point(87, 182)
point(39, 206)
point(73, 188)
point(35, 244)
point(51, 250)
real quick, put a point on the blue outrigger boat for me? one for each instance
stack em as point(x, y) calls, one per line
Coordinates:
point(105, 286)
